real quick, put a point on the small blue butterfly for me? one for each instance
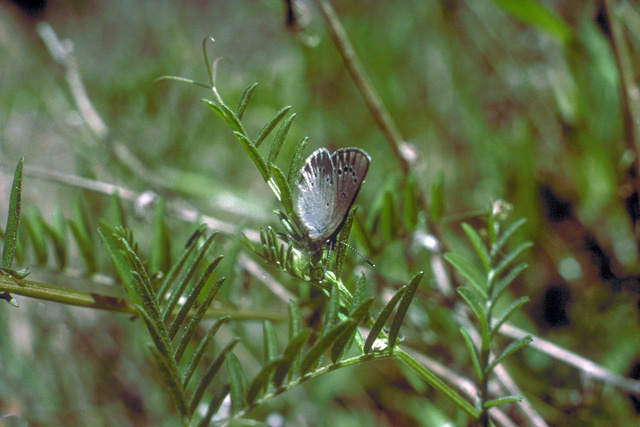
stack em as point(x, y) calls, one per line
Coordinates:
point(325, 191)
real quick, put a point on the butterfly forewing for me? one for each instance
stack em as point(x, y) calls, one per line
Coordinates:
point(326, 190)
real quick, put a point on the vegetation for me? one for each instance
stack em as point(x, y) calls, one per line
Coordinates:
point(152, 260)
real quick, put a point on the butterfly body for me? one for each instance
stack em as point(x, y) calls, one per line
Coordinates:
point(326, 189)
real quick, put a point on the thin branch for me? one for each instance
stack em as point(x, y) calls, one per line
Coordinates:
point(589, 368)
point(68, 296)
point(363, 83)
point(629, 107)
point(61, 52)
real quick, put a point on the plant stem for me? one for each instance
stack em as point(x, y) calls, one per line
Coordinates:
point(363, 83)
point(46, 292)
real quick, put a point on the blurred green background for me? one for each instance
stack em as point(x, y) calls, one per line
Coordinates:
point(507, 101)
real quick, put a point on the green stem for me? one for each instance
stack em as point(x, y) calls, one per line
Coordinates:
point(435, 382)
point(46, 292)
point(405, 358)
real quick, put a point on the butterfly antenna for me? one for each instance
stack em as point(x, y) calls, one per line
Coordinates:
point(354, 250)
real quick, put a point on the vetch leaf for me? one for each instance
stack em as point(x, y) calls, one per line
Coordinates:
point(478, 245)
point(410, 203)
point(193, 294)
point(244, 100)
point(270, 342)
point(261, 381)
point(216, 108)
point(290, 354)
point(319, 347)
point(176, 267)
point(502, 400)
point(80, 231)
point(34, 224)
point(297, 161)
point(469, 271)
point(173, 385)
point(281, 188)
point(209, 374)
point(236, 381)
point(195, 320)
point(235, 122)
point(13, 217)
point(214, 406)
point(474, 301)
point(508, 312)
point(436, 198)
point(342, 344)
point(197, 355)
point(502, 284)
point(509, 258)
point(510, 349)
point(473, 353)
point(270, 125)
point(407, 297)
point(331, 318)
point(107, 235)
point(382, 319)
point(359, 293)
point(502, 239)
point(178, 290)
point(279, 139)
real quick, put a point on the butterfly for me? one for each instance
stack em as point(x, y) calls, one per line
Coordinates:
point(327, 186)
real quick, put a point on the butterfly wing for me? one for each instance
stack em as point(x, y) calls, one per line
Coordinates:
point(350, 167)
point(315, 197)
point(326, 190)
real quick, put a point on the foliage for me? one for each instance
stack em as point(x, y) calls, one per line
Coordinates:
point(539, 114)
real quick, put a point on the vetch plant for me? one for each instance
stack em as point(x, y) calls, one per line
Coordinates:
point(486, 287)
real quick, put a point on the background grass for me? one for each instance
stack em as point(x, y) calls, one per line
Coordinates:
point(505, 101)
